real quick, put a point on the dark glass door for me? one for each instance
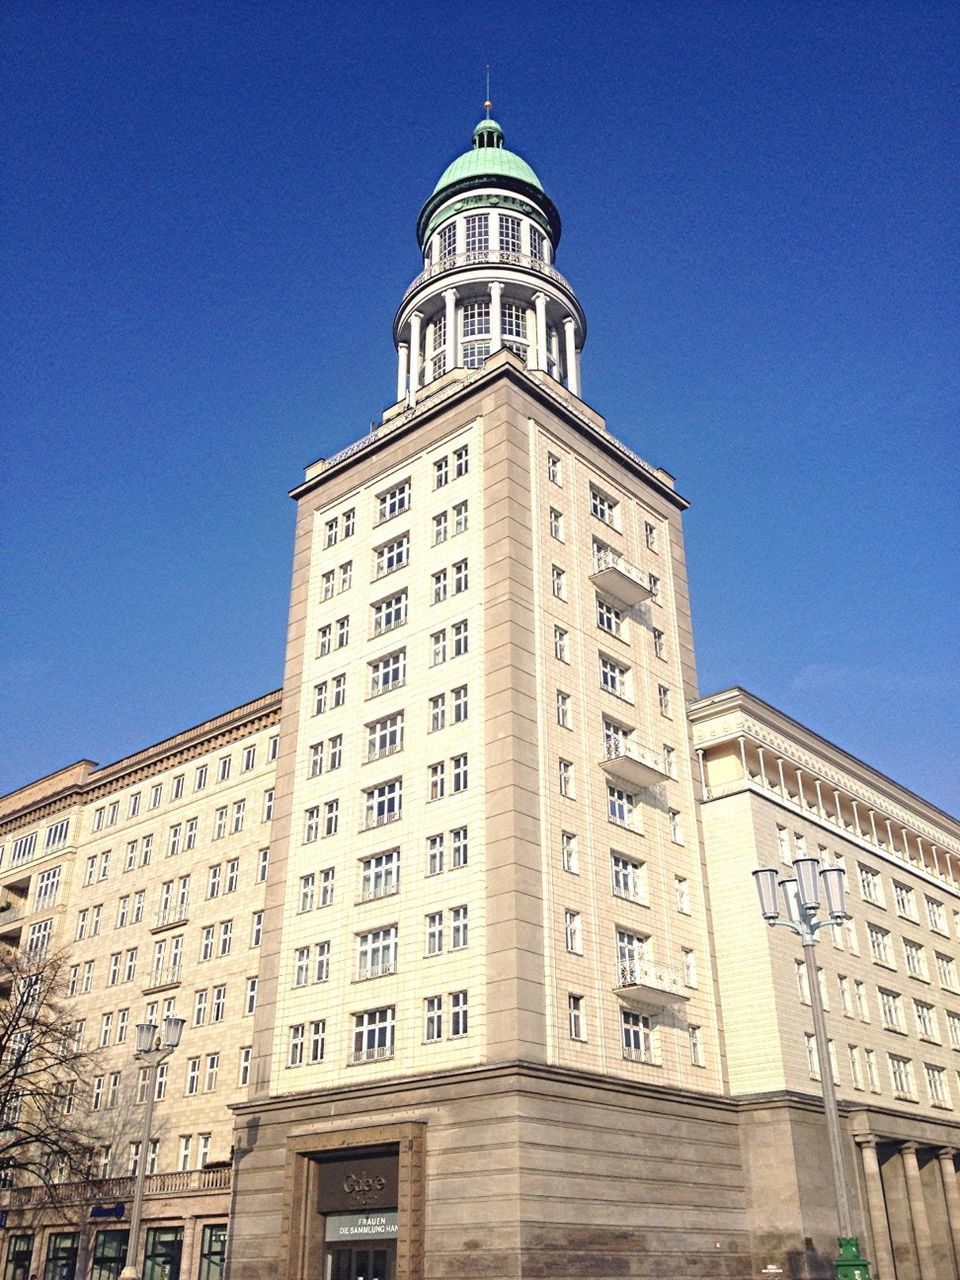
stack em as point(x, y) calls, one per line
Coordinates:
point(361, 1263)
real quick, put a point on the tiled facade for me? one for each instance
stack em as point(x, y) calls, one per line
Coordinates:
point(460, 920)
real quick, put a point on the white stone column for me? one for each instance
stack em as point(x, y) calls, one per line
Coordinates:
point(569, 335)
point(416, 355)
point(555, 353)
point(951, 1194)
point(403, 365)
point(877, 1209)
point(540, 306)
point(428, 352)
point(918, 1212)
point(453, 351)
point(531, 321)
point(496, 316)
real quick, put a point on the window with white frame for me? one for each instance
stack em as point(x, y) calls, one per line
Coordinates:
point(554, 469)
point(603, 506)
point(459, 922)
point(609, 618)
point(561, 644)
point(936, 915)
point(622, 806)
point(393, 502)
point(629, 877)
point(880, 948)
point(926, 1016)
point(871, 885)
point(475, 319)
point(558, 582)
point(905, 901)
point(389, 613)
point(576, 1021)
point(915, 958)
point(569, 856)
point(434, 933)
point(478, 233)
point(460, 517)
point(377, 952)
point(556, 524)
point(383, 803)
point(458, 1014)
point(614, 677)
point(433, 1019)
point(937, 1087)
point(509, 233)
point(901, 1073)
point(873, 1074)
point(891, 1009)
point(380, 875)
point(637, 1033)
point(459, 638)
point(392, 556)
point(373, 1034)
point(388, 672)
point(947, 971)
point(566, 779)
point(665, 701)
point(573, 931)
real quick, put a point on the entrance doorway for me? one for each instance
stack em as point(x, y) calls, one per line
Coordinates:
point(362, 1262)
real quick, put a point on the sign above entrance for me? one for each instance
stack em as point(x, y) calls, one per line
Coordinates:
point(355, 1183)
point(360, 1226)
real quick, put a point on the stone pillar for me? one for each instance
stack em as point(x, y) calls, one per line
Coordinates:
point(570, 353)
point(428, 349)
point(952, 1195)
point(416, 355)
point(877, 1209)
point(403, 364)
point(918, 1212)
point(496, 316)
point(540, 304)
point(555, 352)
point(453, 347)
point(531, 319)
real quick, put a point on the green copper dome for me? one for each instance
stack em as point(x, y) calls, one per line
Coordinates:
point(488, 163)
point(488, 158)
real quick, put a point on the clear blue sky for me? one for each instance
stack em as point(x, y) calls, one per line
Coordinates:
point(209, 221)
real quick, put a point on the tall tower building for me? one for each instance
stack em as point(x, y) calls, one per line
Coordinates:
point(485, 969)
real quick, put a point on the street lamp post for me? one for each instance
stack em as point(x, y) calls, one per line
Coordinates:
point(151, 1049)
point(801, 898)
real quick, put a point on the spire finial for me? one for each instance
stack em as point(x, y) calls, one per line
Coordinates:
point(488, 105)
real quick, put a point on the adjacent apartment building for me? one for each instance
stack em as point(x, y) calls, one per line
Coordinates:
point(460, 920)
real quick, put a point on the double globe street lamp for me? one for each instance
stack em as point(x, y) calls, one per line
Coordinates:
point(152, 1049)
point(801, 894)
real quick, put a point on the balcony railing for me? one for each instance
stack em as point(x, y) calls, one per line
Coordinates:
point(379, 891)
point(166, 976)
point(377, 1053)
point(380, 819)
point(618, 578)
point(500, 257)
point(390, 749)
point(636, 765)
point(13, 915)
point(376, 970)
point(118, 1190)
point(633, 1053)
point(176, 914)
point(641, 982)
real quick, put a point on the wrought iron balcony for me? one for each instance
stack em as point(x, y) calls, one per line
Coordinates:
point(625, 759)
point(641, 983)
point(619, 579)
point(489, 257)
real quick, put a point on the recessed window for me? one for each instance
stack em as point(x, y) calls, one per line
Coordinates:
point(576, 1021)
point(556, 524)
point(554, 469)
point(561, 644)
point(609, 618)
point(573, 931)
point(564, 713)
point(603, 506)
point(393, 502)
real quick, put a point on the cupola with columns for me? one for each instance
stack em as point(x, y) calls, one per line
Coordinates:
point(489, 235)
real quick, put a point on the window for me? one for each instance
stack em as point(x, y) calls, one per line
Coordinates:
point(243, 1070)
point(614, 677)
point(377, 952)
point(603, 506)
point(389, 613)
point(573, 931)
point(388, 672)
point(226, 937)
point(439, 528)
point(845, 999)
point(373, 1035)
point(905, 901)
point(331, 531)
point(669, 760)
point(326, 886)
point(509, 234)
point(250, 1003)
point(156, 794)
point(383, 803)
point(176, 788)
point(223, 769)
point(561, 646)
point(316, 760)
point(576, 1023)
point(441, 472)
point(659, 644)
point(190, 837)
point(856, 1075)
point(256, 928)
point(460, 773)
point(460, 516)
point(676, 826)
point(439, 586)
point(448, 241)
point(319, 698)
point(871, 885)
point(459, 920)
point(461, 461)
point(695, 1036)
point(328, 584)
point(438, 648)
point(339, 690)
point(324, 640)
point(901, 1073)
point(458, 1013)
point(926, 1017)
point(459, 846)
point(880, 948)
point(212, 1071)
point(346, 576)
point(689, 966)
point(609, 619)
point(569, 856)
point(335, 752)
point(663, 697)
point(566, 779)
point(459, 639)
point(556, 524)
point(434, 943)
point(220, 823)
point(650, 536)
point(192, 1085)
point(629, 878)
point(622, 807)
point(891, 1010)
point(433, 1018)
point(631, 955)
point(239, 809)
point(936, 915)
point(915, 957)
point(536, 244)
point(947, 971)
point(460, 706)
point(295, 1046)
point(873, 1075)
point(199, 1008)
point(637, 1037)
point(434, 855)
point(392, 556)
point(937, 1086)
point(321, 957)
point(461, 577)
point(380, 875)
point(393, 502)
point(263, 865)
point(438, 714)
point(206, 942)
point(813, 1062)
point(384, 737)
point(308, 886)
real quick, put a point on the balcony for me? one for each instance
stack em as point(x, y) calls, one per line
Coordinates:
point(167, 917)
point(487, 257)
point(647, 985)
point(635, 765)
point(618, 579)
point(377, 1053)
point(12, 916)
point(166, 976)
point(116, 1190)
point(376, 970)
